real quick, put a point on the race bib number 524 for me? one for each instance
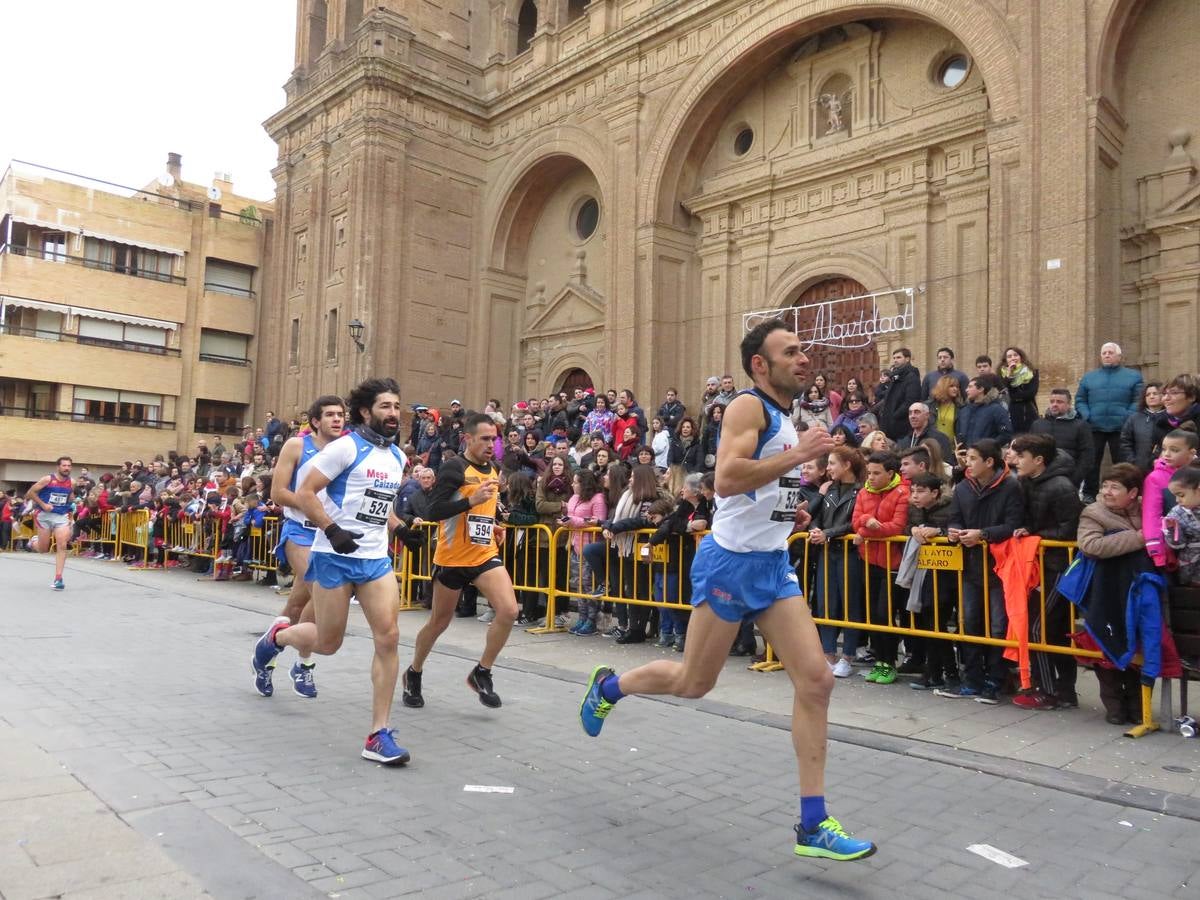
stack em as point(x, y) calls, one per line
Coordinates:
point(375, 507)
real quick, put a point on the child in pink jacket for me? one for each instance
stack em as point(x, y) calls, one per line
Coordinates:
point(586, 508)
point(1178, 450)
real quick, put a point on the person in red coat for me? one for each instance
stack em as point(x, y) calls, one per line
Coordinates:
point(881, 511)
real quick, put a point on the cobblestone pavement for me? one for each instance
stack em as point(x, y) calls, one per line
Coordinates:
point(137, 685)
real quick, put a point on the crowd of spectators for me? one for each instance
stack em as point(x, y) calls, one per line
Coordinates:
point(969, 458)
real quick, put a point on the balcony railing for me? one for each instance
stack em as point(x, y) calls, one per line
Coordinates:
point(60, 416)
point(218, 288)
point(119, 269)
point(47, 335)
point(224, 360)
point(218, 426)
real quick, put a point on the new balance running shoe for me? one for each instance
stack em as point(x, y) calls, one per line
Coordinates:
point(480, 681)
point(302, 679)
point(830, 841)
point(594, 709)
point(381, 747)
point(410, 683)
point(265, 651)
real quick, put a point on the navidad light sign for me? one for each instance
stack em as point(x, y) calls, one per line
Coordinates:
point(845, 323)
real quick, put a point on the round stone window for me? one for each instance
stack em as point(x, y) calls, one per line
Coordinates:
point(587, 217)
point(743, 141)
point(953, 71)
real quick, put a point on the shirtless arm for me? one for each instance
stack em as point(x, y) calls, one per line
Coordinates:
point(736, 472)
point(284, 468)
point(32, 493)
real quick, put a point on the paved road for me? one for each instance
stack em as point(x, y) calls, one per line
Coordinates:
point(138, 683)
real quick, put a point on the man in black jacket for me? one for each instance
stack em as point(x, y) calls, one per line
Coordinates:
point(1052, 511)
point(985, 507)
point(920, 428)
point(904, 389)
point(672, 411)
point(1071, 434)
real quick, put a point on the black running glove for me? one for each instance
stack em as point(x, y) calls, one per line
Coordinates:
point(341, 540)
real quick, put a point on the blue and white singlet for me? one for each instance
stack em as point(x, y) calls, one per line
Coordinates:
point(762, 519)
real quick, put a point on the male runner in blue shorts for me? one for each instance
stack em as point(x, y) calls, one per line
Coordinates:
point(325, 417)
point(359, 474)
point(741, 573)
point(51, 495)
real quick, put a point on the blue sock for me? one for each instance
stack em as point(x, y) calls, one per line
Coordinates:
point(812, 812)
point(610, 689)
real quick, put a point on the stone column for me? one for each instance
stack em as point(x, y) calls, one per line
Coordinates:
point(631, 332)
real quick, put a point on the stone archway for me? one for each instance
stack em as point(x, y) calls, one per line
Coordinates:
point(763, 40)
point(573, 378)
point(544, 288)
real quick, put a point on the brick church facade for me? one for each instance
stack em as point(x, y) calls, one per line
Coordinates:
point(513, 194)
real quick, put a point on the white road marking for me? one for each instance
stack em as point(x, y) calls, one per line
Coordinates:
point(987, 851)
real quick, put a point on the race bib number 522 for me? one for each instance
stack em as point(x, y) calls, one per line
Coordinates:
point(789, 499)
point(375, 507)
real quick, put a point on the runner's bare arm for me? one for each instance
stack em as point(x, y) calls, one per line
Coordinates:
point(736, 472)
point(285, 466)
point(307, 500)
point(32, 493)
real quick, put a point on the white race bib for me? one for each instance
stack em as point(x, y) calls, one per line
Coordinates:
point(479, 529)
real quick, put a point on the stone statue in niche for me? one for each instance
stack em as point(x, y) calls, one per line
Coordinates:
point(834, 105)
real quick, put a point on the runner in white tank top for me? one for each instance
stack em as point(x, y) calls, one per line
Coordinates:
point(359, 475)
point(741, 573)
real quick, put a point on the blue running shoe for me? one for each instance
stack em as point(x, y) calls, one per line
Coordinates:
point(594, 708)
point(830, 841)
point(382, 748)
point(302, 680)
point(265, 651)
point(58, 584)
point(587, 629)
point(962, 692)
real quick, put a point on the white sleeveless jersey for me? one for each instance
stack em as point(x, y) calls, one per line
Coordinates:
point(308, 451)
point(361, 492)
point(762, 519)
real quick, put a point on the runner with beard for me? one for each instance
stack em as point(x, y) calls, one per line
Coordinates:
point(357, 476)
point(464, 505)
point(741, 573)
point(325, 417)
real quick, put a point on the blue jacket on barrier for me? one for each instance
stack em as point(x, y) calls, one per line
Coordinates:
point(1120, 621)
point(1107, 396)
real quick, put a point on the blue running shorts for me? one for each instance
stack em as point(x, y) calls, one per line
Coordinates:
point(740, 586)
point(296, 533)
point(332, 570)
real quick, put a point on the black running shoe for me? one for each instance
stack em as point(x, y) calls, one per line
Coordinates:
point(480, 681)
point(411, 683)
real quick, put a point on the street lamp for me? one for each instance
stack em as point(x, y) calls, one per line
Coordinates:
point(356, 332)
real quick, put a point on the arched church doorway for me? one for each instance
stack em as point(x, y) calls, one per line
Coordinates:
point(839, 363)
point(574, 378)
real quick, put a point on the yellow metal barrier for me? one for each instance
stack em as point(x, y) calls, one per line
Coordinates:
point(262, 544)
point(133, 534)
point(414, 568)
point(634, 573)
point(104, 534)
point(197, 537)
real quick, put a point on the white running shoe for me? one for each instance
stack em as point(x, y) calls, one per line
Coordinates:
point(486, 616)
point(841, 669)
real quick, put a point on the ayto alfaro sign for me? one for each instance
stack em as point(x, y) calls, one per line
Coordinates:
point(847, 322)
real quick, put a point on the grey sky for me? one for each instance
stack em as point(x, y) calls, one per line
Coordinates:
point(107, 89)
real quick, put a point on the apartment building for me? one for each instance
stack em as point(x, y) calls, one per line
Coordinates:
point(127, 316)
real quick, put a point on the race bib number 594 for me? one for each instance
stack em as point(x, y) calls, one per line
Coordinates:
point(479, 529)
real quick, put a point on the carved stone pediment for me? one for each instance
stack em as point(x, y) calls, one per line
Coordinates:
point(1188, 201)
point(575, 308)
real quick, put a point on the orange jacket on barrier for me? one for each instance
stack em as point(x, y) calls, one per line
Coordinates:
point(1016, 562)
point(889, 507)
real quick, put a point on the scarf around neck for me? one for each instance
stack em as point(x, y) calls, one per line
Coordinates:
point(1017, 375)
